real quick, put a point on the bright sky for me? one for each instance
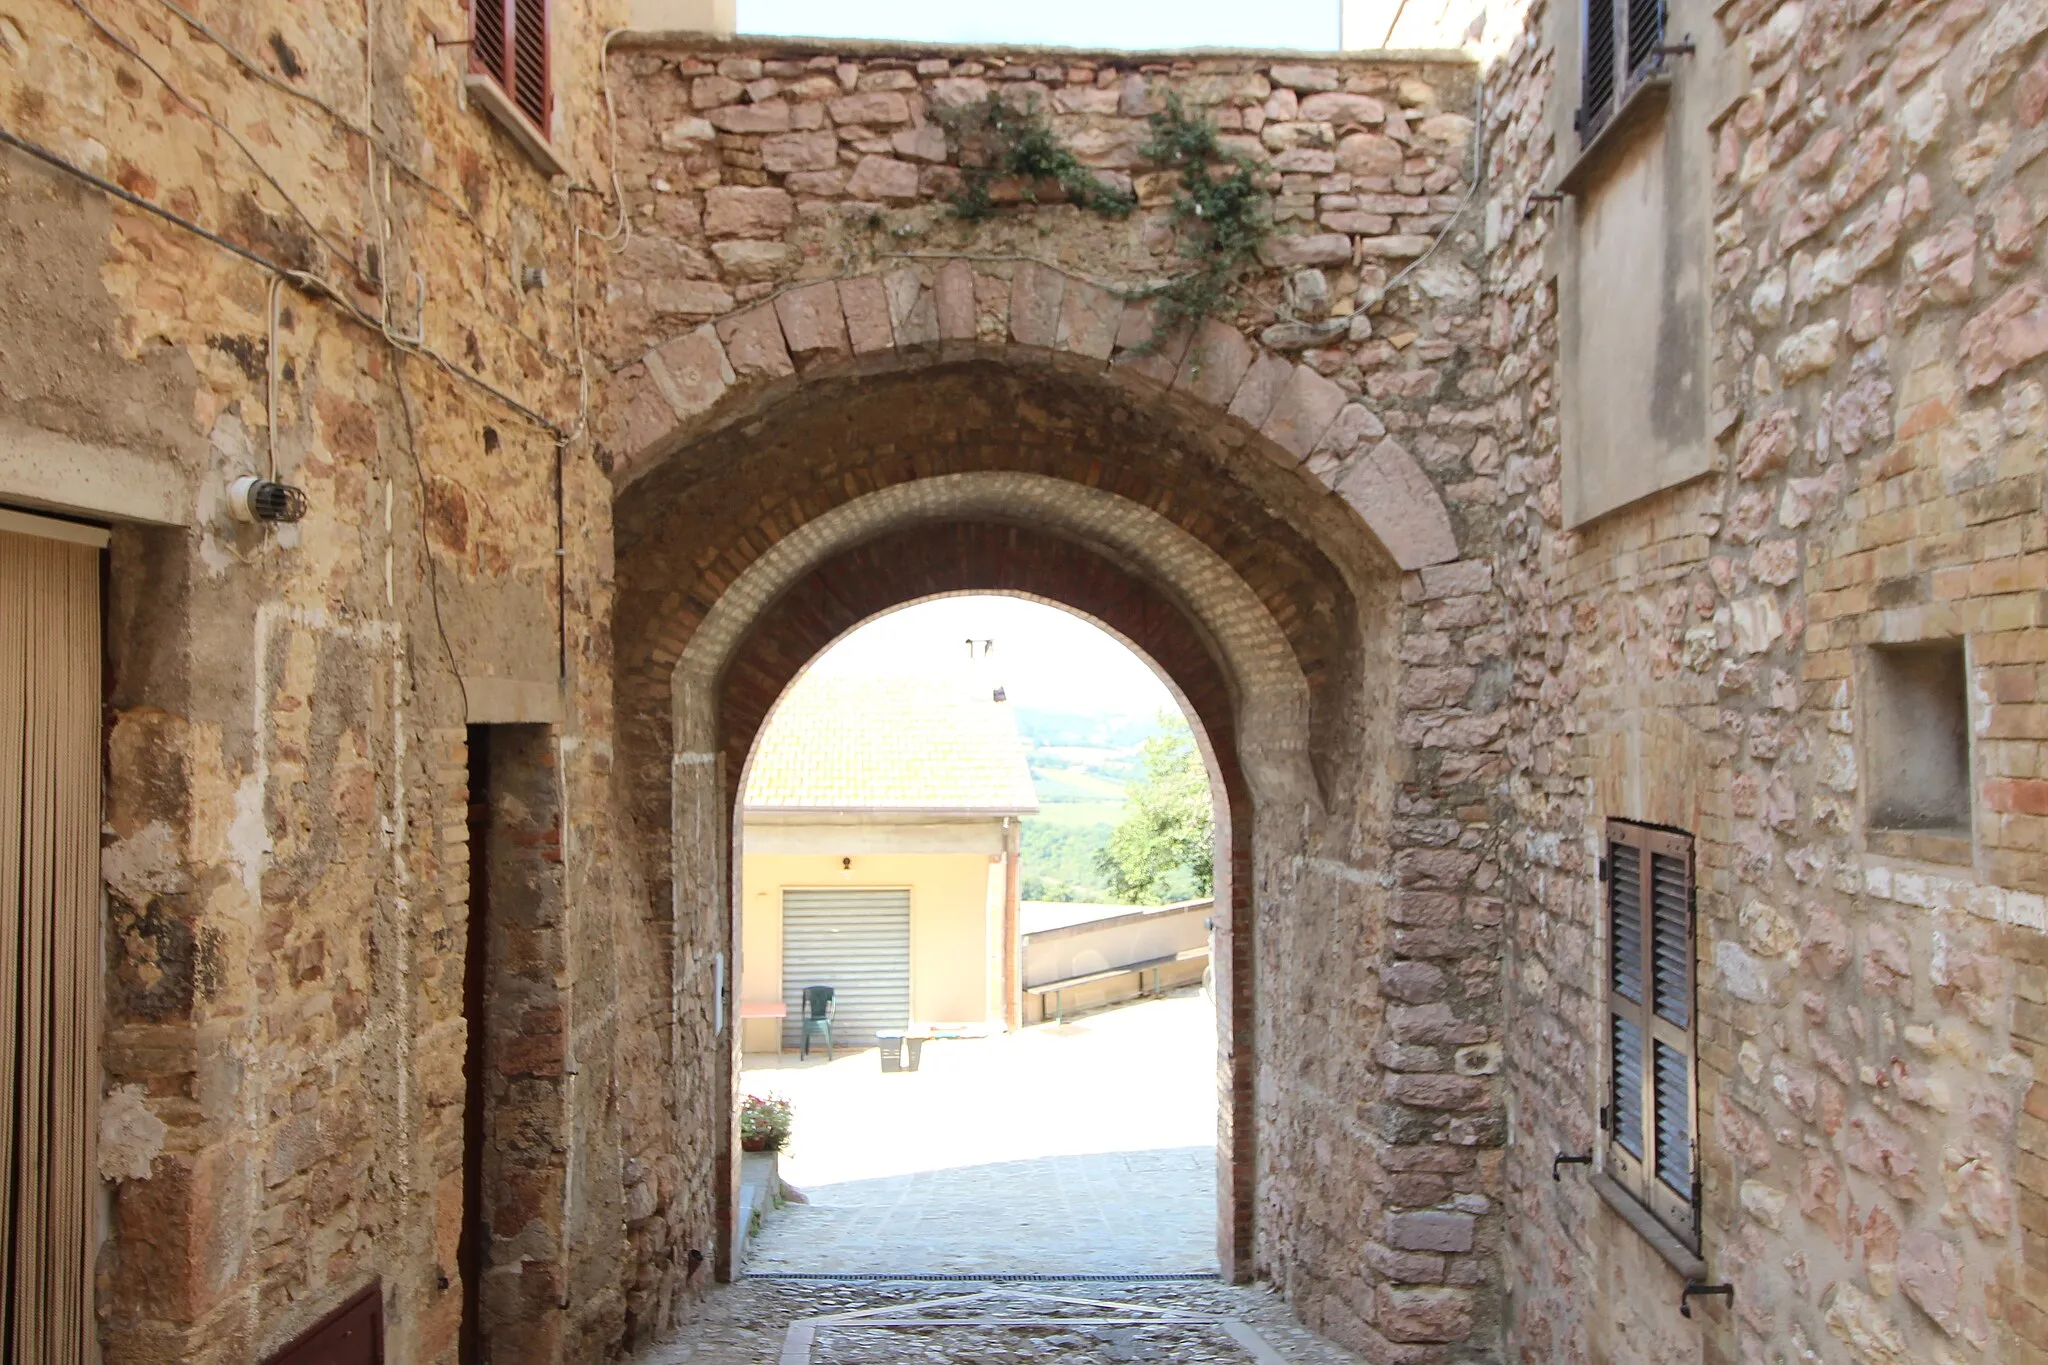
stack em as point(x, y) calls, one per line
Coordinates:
point(1044, 657)
point(1140, 24)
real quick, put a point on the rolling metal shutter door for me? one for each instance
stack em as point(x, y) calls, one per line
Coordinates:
point(858, 943)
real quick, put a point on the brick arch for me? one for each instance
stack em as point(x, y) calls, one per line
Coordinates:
point(1226, 636)
point(945, 536)
point(917, 316)
point(942, 558)
point(1277, 607)
point(921, 563)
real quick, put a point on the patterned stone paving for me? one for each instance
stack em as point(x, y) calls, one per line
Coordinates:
point(1084, 1148)
point(1126, 1213)
point(781, 1322)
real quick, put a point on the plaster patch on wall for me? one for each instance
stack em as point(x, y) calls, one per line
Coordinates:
point(143, 865)
point(249, 836)
point(1742, 975)
point(130, 1136)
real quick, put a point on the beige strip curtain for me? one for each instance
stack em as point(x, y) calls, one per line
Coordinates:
point(49, 939)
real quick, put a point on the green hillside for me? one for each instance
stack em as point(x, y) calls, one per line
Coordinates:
point(1080, 767)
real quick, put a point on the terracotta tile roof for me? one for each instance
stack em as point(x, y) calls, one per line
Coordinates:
point(844, 742)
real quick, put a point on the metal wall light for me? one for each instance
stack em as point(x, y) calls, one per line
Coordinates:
point(253, 500)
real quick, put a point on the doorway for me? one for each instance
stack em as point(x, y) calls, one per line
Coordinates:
point(516, 1063)
point(50, 929)
point(982, 829)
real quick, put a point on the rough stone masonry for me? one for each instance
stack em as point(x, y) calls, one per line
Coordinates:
point(598, 460)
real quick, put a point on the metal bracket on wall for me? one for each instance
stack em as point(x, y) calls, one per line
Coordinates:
point(1694, 1289)
point(1563, 1159)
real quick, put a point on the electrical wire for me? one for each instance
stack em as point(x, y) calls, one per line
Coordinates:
point(312, 286)
point(257, 71)
point(270, 375)
point(1471, 189)
point(340, 253)
point(419, 472)
point(373, 145)
point(621, 233)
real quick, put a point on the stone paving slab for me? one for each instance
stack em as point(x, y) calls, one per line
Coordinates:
point(1083, 1148)
point(1112, 1213)
point(749, 1324)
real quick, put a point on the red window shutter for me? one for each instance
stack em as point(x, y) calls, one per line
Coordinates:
point(510, 44)
point(530, 73)
point(490, 27)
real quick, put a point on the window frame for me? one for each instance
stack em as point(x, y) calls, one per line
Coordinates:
point(495, 87)
point(1627, 72)
point(1637, 1175)
point(513, 17)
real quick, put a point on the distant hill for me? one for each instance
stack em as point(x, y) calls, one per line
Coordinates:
point(1080, 764)
point(1089, 729)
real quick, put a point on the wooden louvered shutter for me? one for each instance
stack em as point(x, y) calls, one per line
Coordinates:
point(1645, 34)
point(1596, 68)
point(1652, 1106)
point(510, 44)
point(1622, 38)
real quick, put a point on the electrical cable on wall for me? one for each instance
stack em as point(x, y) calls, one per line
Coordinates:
point(312, 286)
point(374, 145)
point(346, 256)
point(419, 471)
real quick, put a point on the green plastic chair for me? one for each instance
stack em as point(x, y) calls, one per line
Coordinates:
point(818, 1019)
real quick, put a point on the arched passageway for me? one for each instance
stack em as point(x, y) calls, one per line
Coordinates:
point(750, 540)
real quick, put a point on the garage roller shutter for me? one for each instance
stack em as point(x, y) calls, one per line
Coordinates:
point(856, 941)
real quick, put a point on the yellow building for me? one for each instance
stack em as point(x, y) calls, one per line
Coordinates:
point(879, 857)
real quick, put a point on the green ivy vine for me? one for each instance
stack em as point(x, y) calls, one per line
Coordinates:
point(1219, 211)
point(1020, 144)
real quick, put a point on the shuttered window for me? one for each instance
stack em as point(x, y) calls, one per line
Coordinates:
point(1621, 51)
point(1651, 1114)
point(509, 43)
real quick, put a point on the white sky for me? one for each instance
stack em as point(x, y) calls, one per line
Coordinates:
point(1140, 24)
point(1044, 657)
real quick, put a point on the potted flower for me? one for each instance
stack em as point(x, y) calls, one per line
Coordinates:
point(764, 1123)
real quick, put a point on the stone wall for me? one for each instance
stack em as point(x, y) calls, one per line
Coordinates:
point(286, 858)
point(1870, 1001)
point(1333, 512)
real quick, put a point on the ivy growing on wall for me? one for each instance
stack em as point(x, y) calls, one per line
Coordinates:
point(1219, 211)
point(1020, 144)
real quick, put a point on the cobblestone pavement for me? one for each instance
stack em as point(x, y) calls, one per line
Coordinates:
point(1083, 1148)
point(993, 1324)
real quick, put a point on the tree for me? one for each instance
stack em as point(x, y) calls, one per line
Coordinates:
point(1165, 847)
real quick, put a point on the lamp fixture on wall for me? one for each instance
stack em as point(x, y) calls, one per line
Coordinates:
point(251, 499)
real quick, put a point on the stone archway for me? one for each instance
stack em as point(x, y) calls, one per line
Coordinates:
point(912, 317)
point(1079, 548)
point(793, 507)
